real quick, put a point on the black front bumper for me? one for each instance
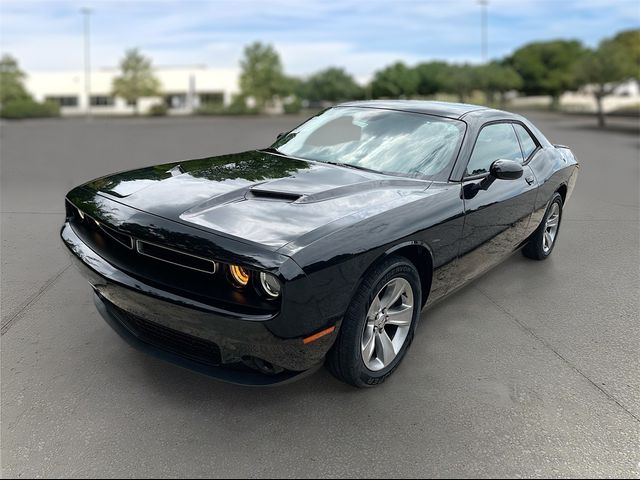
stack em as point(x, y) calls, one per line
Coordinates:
point(232, 373)
point(190, 334)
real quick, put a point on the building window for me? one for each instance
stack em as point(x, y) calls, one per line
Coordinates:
point(101, 101)
point(63, 101)
point(211, 98)
point(176, 100)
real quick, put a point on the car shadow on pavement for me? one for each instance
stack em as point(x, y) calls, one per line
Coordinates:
point(184, 386)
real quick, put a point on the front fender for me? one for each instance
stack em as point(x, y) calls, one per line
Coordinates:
point(336, 264)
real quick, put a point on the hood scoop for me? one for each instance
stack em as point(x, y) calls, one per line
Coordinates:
point(260, 193)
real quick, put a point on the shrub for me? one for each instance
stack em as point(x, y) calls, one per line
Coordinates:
point(236, 107)
point(210, 109)
point(158, 110)
point(28, 108)
point(293, 106)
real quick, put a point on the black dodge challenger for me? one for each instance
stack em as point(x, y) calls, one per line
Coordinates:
point(256, 267)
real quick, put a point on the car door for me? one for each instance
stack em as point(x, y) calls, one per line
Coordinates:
point(495, 219)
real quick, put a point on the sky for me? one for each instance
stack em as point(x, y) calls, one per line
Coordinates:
point(360, 36)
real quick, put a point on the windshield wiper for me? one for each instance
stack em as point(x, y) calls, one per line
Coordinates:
point(271, 150)
point(350, 165)
point(337, 164)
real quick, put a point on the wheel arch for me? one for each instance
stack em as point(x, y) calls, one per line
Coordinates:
point(562, 190)
point(421, 256)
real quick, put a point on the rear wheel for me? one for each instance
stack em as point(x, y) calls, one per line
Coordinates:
point(543, 240)
point(379, 324)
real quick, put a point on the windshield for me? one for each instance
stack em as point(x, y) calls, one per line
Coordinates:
point(386, 141)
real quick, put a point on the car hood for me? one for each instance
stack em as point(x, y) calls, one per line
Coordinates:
point(257, 196)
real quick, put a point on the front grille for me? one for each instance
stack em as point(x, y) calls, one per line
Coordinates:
point(176, 257)
point(164, 267)
point(168, 339)
point(123, 238)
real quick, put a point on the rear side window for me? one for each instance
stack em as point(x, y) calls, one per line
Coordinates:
point(495, 142)
point(527, 143)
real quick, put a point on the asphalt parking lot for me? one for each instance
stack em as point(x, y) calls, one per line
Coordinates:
point(531, 370)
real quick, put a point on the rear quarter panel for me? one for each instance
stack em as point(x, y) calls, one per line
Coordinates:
point(553, 168)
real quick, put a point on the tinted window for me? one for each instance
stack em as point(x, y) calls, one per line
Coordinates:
point(526, 142)
point(494, 142)
point(101, 101)
point(383, 140)
point(64, 101)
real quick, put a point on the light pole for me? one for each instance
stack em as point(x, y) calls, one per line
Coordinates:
point(86, 12)
point(483, 30)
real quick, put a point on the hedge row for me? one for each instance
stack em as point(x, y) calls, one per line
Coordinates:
point(27, 108)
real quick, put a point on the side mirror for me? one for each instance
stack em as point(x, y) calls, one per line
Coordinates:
point(506, 170)
point(280, 135)
point(499, 170)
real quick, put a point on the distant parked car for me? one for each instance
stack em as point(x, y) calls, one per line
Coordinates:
point(259, 266)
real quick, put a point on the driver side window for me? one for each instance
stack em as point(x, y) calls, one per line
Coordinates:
point(497, 141)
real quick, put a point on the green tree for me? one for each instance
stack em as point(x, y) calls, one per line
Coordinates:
point(296, 86)
point(629, 40)
point(11, 81)
point(431, 77)
point(394, 81)
point(137, 79)
point(332, 84)
point(262, 75)
point(461, 80)
point(547, 68)
point(496, 79)
point(604, 69)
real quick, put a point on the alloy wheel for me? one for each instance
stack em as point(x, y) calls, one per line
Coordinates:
point(388, 324)
point(551, 228)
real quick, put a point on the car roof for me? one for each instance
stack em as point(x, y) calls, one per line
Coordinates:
point(442, 109)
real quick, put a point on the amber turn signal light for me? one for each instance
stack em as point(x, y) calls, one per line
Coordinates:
point(318, 335)
point(239, 275)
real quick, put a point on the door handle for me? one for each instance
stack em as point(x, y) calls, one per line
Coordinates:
point(529, 179)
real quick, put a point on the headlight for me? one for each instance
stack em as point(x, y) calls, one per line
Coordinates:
point(270, 284)
point(239, 275)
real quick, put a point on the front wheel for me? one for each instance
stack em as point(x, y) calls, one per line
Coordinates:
point(543, 240)
point(379, 324)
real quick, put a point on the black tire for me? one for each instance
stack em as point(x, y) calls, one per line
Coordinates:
point(344, 360)
point(534, 248)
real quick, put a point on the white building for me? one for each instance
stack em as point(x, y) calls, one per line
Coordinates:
point(184, 88)
point(626, 95)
